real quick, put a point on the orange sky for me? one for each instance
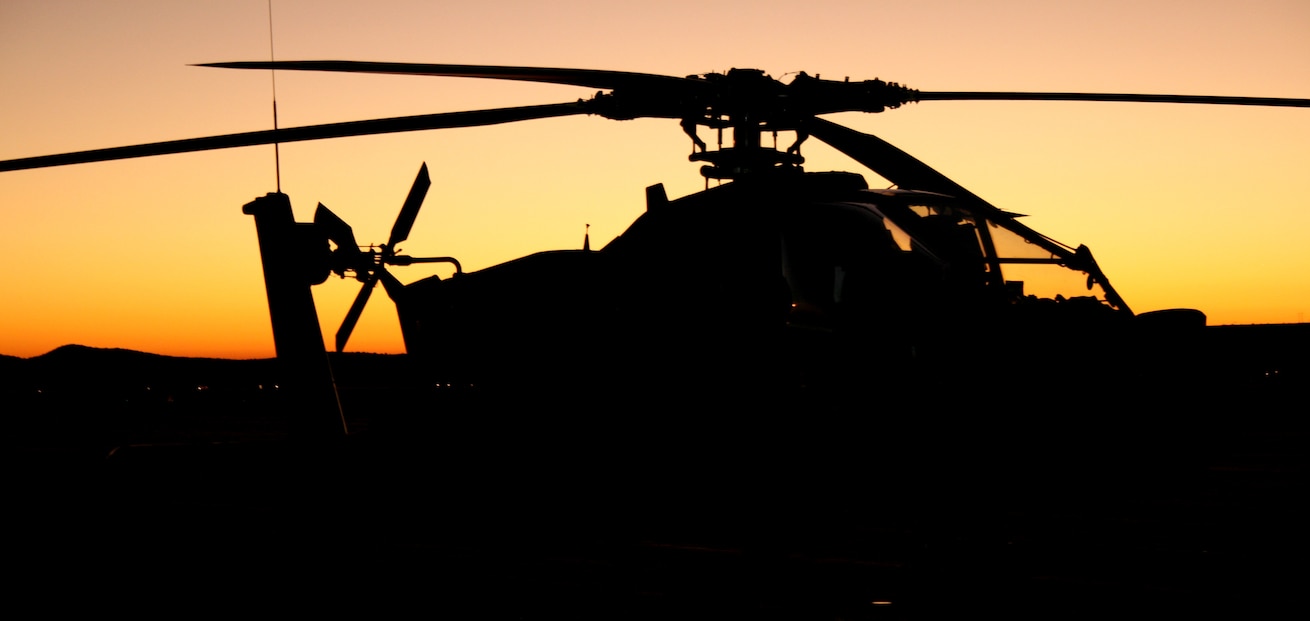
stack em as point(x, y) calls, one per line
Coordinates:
point(1204, 207)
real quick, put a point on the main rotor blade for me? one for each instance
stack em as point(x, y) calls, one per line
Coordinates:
point(891, 163)
point(907, 172)
point(409, 211)
point(1188, 99)
point(591, 78)
point(356, 309)
point(447, 120)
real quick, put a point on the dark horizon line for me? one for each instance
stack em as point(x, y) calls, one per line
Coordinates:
point(78, 346)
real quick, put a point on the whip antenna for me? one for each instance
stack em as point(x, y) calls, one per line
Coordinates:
point(272, 73)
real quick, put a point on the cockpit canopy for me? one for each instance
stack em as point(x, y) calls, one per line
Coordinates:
point(994, 248)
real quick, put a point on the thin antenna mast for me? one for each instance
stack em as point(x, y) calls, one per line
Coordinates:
point(277, 154)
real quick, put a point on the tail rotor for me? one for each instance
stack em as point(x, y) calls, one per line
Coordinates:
point(370, 266)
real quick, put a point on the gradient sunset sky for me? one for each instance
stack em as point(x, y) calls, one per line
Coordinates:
point(1184, 206)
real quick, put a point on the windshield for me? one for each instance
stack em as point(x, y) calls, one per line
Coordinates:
point(997, 252)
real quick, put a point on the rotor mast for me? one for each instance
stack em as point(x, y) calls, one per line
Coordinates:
point(749, 103)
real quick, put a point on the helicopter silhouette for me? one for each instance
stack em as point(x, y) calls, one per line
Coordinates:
point(782, 291)
point(779, 279)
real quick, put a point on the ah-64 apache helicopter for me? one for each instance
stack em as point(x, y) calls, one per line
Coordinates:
point(777, 292)
point(779, 280)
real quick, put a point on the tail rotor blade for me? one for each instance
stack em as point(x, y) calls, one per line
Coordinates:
point(337, 230)
point(392, 286)
point(347, 255)
point(356, 309)
point(409, 211)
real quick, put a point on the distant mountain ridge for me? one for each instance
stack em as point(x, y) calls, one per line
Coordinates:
point(1278, 353)
point(76, 395)
point(74, 350)
point(114, 370)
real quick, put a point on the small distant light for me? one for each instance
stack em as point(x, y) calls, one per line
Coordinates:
point(880, 602)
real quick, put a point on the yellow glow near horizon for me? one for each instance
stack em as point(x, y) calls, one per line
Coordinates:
point(1184, 206)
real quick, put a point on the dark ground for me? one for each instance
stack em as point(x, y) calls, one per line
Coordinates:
point(142, 482)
